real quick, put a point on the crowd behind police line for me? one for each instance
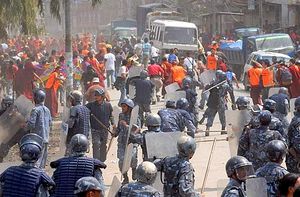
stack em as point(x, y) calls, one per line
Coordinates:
point(182, 72)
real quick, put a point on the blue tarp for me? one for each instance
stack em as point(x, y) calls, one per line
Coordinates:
point(238, 45)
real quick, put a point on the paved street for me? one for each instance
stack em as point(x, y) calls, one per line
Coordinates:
point(216, 174)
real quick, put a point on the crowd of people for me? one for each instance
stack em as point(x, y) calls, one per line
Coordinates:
point(142, 74)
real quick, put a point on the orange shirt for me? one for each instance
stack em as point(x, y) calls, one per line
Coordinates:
point(178, 74)
point(254, 75)
point(53, 82)
point(267, 76)
point(211, 62)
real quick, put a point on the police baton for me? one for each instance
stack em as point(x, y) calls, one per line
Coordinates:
point(101, 124)
point(214, 86)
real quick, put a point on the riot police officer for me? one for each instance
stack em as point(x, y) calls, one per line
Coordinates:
point(79, 120)
point(282, 105)
point(89, 187)
point(252, 142)
point(146, 174)
point(217, 102)
point(191, 97)
point(40, 122)
point(171, 119)
point(273, 171)
point(69, 169)
point(5, 104)
point(27, 179)
point(179, 172)
point(275, 124)
point(182, 106)
point(122, 133)
point(238, 169)
point(293, 158)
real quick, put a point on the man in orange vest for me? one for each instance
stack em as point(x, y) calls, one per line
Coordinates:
point(254, 76)
point(178, 73)
point(212, 60)
point(267, 77)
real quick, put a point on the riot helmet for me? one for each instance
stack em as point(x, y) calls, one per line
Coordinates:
point(283, 90)
point(143, 74)
point(242, 102)
point(31, 146)
point(276, 150)
point(186, 82)
point(6, 102)
point(265, 118)
point(99, 92)
point(182, 103)
point(39, 96)
point(79, 144)
point(146, 172)
point(170, 104)
point(220, 75)
point(186, 146)
point(88, 184)
point(75, 97)
point(297, 104)
point(128, 102)
point(153, 122)
point(270, 105)
point(240, 167)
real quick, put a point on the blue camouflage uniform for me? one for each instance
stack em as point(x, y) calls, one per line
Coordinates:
point(137, 189)
point(234, 189)
point(179, 177)
point(79, 122)
point(69, 169)
point(217, 103)
point(39, 123)
point(171, 120)
point(122, 133)
point(24, 180)
point(293, 160)
point(103, 112)
point(282, 108)
point(188, 121)
point(272, 172)
point(277, 125)
point(252, 144)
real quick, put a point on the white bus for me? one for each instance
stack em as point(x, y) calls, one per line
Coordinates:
point(169, 34)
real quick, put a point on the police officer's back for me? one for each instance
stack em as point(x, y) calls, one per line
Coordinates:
point(146, 174)
point(26, 180)
point(188, 120)
point(293, 159)
point(69, 169)
point(171, 120)
point(273, 171)
point(252, 142)
point(179, 172)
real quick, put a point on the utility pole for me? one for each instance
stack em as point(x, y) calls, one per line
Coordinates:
point(68, 46)
point(261, 16)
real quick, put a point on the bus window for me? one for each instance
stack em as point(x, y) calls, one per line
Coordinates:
point(179, 35)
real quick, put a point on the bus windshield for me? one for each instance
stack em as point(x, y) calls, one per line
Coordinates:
point(178, 35)
point(277, 42)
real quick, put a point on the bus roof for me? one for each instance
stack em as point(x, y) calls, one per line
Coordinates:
point(173, 23)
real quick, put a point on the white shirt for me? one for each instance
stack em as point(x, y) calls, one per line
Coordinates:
point(138, 48)
point(154, 51)
point(189, 62)
point(110, 61)
point(122, 70)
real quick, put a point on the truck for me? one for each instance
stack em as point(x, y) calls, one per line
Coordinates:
point(123, 28)
point(237, 53)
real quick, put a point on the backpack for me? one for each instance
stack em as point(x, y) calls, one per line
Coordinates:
point(286, 77)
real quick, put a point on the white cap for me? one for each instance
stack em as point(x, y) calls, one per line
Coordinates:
point(96, 80)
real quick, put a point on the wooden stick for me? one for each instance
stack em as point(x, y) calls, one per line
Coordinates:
point(208, 165)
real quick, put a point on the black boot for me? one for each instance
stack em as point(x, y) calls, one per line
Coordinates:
point(223, 132)
point(207, 131)
point(126, 179)
point(133, 173)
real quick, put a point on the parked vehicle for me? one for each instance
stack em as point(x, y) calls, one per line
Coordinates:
point(238, 52)
point(261, 55)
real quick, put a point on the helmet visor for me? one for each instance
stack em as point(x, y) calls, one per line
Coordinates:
point(244, 172)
